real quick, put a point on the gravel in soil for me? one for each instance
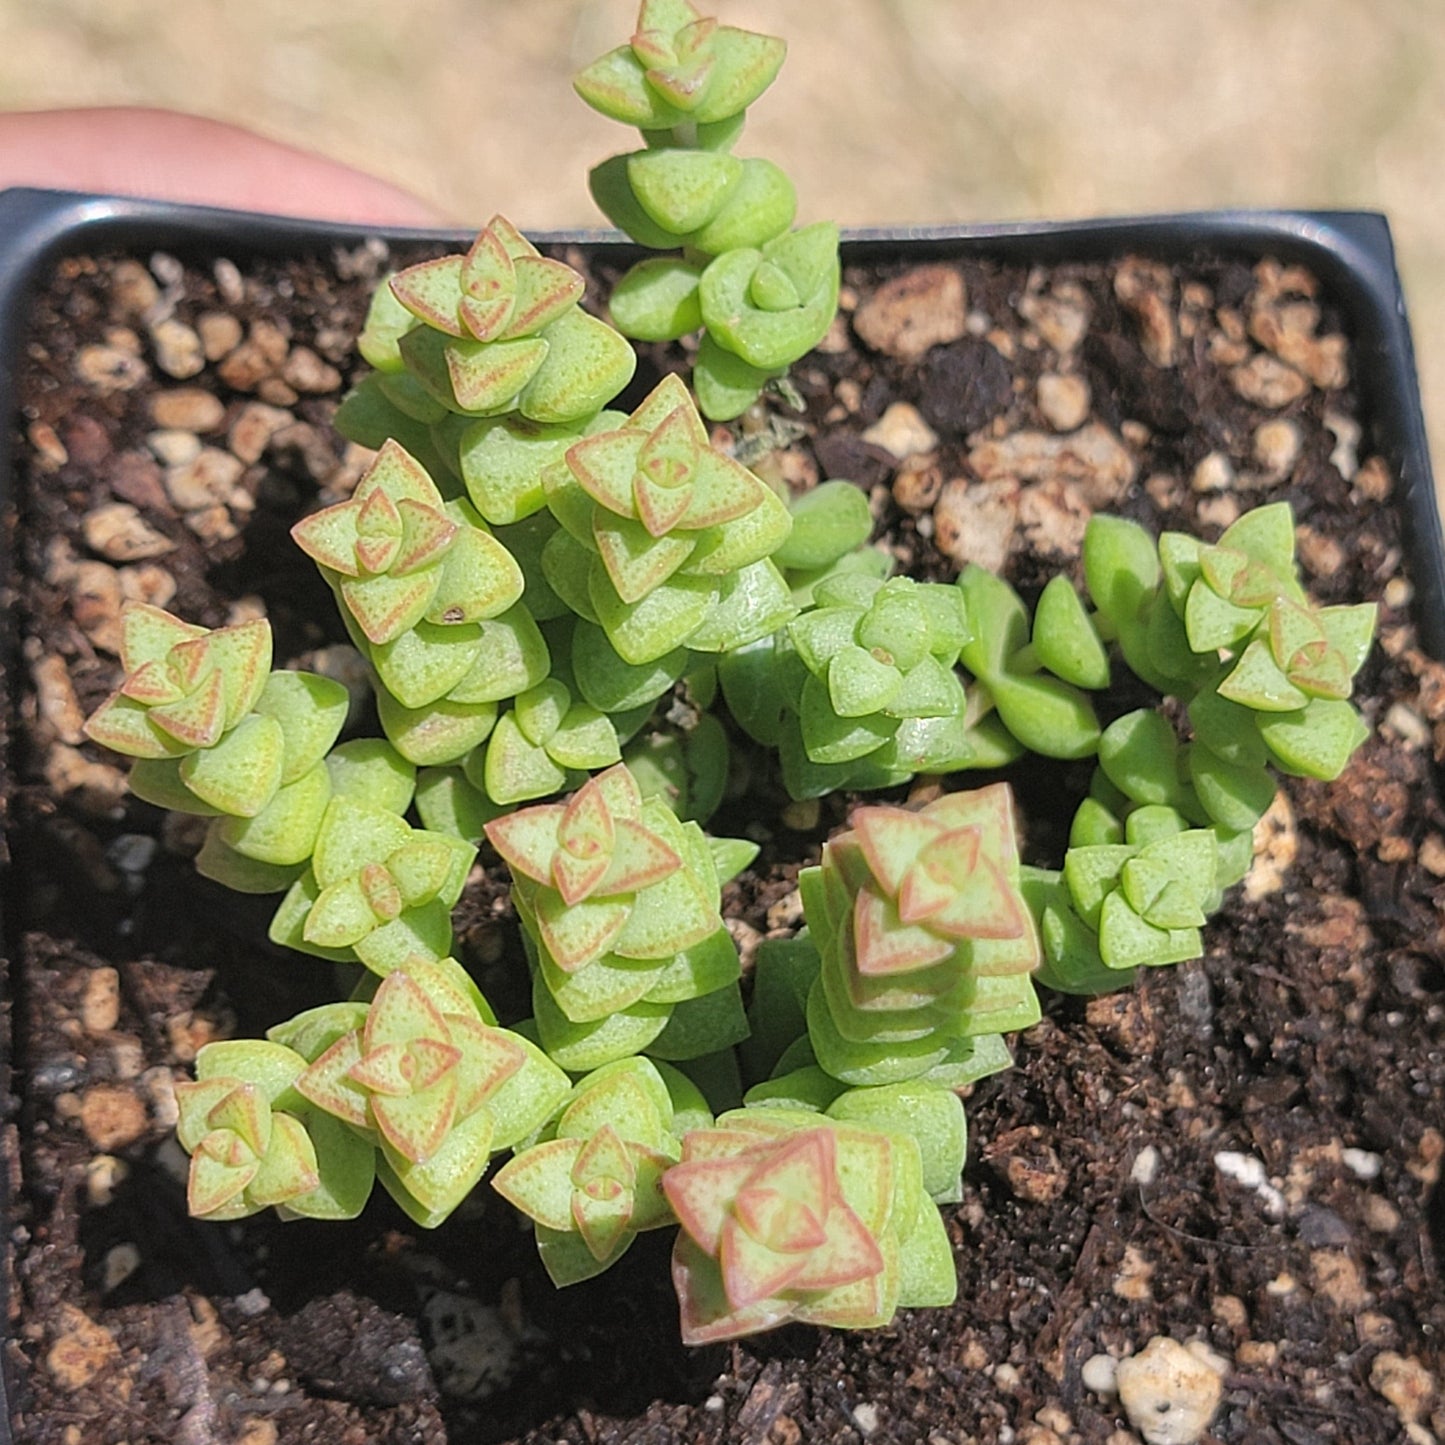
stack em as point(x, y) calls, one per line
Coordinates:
point(1242, 1155)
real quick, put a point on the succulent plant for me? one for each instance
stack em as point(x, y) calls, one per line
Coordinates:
point(923, 937)
point(664, 540)
point(764, 295)
point(255, 1141)
point(376, 890)
point(593, 1182)
point(435, 1085)
point(1035, 677)
point(1230, 623)
point(788, 1217)
point(638, 571)
point(618, 901)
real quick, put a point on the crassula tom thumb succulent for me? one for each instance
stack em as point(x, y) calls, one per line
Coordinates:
point(588, 628)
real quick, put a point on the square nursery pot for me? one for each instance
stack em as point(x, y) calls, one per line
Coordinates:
point(1242, 1152)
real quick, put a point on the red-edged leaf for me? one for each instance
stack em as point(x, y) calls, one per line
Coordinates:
point(489, 284)
point(850, 1254)
point(246, 1112)
point(701, 1194)
point(604, 466)
point(660, 509)
point(147, 634)
point(215, 1181)
point(400, 1012)
point(577, 933)
point(384, 607)
point(983, 905)
point(516, 243)
point(586, 828)
point(385, 1070)
point(431, 292)
point(545, 289)
point(489, 1057)
point(801, 1169)
point(426, 535)
point(640, 858)
point(527, 840)
point(327, 1082)
point(537, 1182)
point(416, 1125)
point(942, 868)
point(430, 1059)
point(890, 839)
point(577, 878)
point(751, 1271)
point(329, 537)
point(883, 944)
point(151, 683)
point(197, 720)
point(706, 1315)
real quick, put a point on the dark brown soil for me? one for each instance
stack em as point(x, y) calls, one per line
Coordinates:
point(1311, 1037)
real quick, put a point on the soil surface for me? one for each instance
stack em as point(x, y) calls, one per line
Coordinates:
point(1242, 1154)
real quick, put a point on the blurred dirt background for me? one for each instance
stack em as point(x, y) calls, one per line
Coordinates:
point(888, 110)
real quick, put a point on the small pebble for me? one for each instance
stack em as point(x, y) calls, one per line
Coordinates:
point(1169, 1393)
point(1145, 1168)
point(50, 452)
point(308, 373)
point(131, 853)
point(1064, 401)
point(112, 1116)
point(254, 426)
point(1276, 448)
point(1061, 317)
point(908, 316)
point(1405, 1383)
point(117, 531)
point(174, 448)
point(1373, 480)
point(133, 291)
point(1249, 1173)
point(1408, 726)
point(82, 1350)
point(865, 1417)
point(220, 334)
point(108, 369)
point(178, 349)
point(1345, 458)
point(229, 282)
point(1398, 593)
point(1212, 473)
point(209, 478)
point(1101, 1374)
point(902, 432)
point(187, 408)
point(100, 1002)
point(103, 1175)
point(1268, 382)
point(120, 1262)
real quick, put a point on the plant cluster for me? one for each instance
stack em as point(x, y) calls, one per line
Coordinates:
point(552, 599)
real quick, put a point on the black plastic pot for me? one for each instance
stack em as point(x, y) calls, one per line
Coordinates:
point(1351, 252)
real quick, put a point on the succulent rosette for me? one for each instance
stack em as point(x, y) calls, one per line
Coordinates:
point(432, 1082)
point(664, 540)
point(788, 1217)
point(431, 598)
point(923, 936)
point(593, 1181)
point(1229, 626)
point(619, 905)
point(256, 1141)
point(764, 295)
point(376, 890)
